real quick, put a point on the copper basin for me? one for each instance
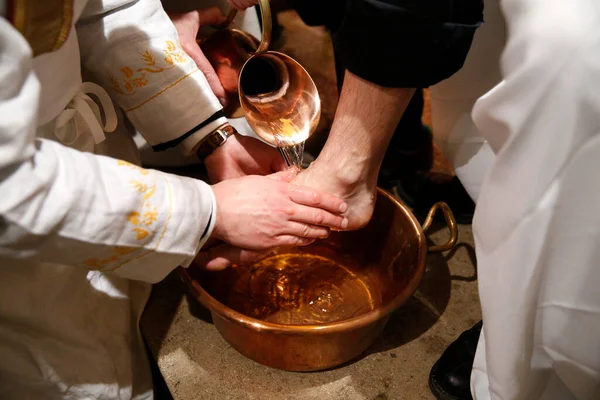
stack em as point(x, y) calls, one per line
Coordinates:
point(282, 310)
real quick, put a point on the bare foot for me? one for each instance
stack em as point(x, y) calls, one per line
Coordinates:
point(357, 193)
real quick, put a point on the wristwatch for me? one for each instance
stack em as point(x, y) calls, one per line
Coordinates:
point(214, 140)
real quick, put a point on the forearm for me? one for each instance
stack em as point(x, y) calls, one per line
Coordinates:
point(62, 206)
point(365, 121)
point(66, 207)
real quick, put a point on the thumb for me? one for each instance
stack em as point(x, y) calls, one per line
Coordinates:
point(226, 255)
point(285, 175)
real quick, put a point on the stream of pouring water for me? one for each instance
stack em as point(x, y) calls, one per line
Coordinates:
point(285, 132)
point(293, 155)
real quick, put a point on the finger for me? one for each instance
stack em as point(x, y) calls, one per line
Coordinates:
point(318, 217)
point(208, 16)
point(306, 230)
point(226, 255)
point(286, 175)
point(314, 198)
point(291, 240)
point(207, 69)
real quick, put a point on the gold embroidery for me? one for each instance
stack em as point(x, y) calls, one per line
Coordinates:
point(175, 54)
point(134, 217)
point(150, 216)
point(118, 253)
point(98, 264)
point(65, 29)
point(161, 92)
point(162, 234)
point(141, 170)
point(122, 251)
point(19, 17)
point(132, 80)
point(46, 24)
point(146, 208)
point(141, 233)
point(139, 186)
point(142, 220)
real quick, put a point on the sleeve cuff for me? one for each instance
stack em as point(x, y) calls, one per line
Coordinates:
point(191, 138)
point(189, 143)
point(176, 219)
point(207, 231)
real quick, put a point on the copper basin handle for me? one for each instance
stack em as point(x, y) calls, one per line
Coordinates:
point(449, 217)
point(267, 28)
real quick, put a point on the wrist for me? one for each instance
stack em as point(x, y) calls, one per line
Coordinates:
point(217, 231)
point(200, 132)
point(214, 141)
point(216, 154)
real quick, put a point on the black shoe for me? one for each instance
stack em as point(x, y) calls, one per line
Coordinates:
point(450, 377)
point(422, 190)
point(404, 159)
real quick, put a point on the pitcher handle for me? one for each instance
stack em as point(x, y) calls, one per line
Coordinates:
point(449, 217)
point(267, 24)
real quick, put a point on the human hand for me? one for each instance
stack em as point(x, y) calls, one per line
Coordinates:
point(222, 256)
point(260, 213)
point(242, 4)
point(188, 24)
point(240, 156)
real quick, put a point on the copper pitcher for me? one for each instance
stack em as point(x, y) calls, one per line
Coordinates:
point(271, 90)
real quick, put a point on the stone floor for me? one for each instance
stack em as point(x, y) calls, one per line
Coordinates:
point(198, 364)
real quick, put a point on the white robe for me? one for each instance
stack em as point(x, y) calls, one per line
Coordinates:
point(536, 226)
point(82, 235)
point(452, 102)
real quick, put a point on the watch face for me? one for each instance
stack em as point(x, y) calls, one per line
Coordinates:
point(220, 135)
point(219, 138)
point(214, 140)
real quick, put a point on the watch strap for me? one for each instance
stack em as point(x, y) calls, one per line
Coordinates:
point(214, 140)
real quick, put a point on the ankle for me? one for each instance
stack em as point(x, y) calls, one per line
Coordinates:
point(346, 173)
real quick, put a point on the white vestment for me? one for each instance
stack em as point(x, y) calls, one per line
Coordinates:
point(536, 226)
point(82, 235)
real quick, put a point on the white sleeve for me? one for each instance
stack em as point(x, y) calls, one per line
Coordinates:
point(63, 206)
point(133, 51)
